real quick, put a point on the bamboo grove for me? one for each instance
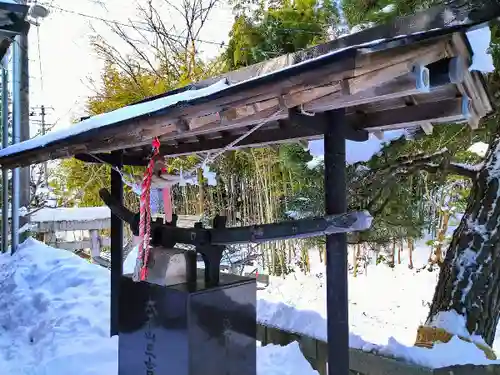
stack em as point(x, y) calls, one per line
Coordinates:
point(283, 181)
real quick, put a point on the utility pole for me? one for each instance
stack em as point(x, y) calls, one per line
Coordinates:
point(44, 127)
point(5, 143)
point(25, 175)
point(45, 170)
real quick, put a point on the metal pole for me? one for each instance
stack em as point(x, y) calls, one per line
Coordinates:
point(24, 122)
point(45, 169)
point(16, 138)
point(116, 244)
point(5, 143)
point(336, 244)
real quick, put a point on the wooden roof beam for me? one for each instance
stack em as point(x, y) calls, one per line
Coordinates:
point(301, 127)
point(427, 128)
point(405, 85)
point(366, 65)
point(370, 69)
point(449, 110)
point(440, 111)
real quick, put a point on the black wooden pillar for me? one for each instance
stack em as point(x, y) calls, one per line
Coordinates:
point(116, 243)
point(336, 244)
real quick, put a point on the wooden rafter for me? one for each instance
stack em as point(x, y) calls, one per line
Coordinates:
point(372, 84)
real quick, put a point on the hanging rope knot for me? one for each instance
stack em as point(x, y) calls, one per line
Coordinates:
point(155, 143)
point(145, 216)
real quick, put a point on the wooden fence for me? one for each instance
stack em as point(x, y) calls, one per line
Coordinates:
point(360, 362)
point(90, 224)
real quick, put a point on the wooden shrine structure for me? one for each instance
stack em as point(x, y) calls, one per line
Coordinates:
point(411, 73)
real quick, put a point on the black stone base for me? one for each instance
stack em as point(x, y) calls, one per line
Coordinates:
point(188, 329)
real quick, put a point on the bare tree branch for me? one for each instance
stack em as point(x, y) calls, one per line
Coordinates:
point(175, 51)
point(377, 185)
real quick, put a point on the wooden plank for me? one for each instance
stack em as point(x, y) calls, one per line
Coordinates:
point(400, 117)
point(95, 243)
point(61, 226)
point(257, 138)
point(401, 59)
point(270, 114)
point(427, 128)
point(492, 369)
point(446, 110)
point(315, 351)
point(459, 44)
point(262, 334)
point(471, 86)
point(65, 226)
point(371, 364)
point(359, 86)
point(396, 88)
point(372, 72)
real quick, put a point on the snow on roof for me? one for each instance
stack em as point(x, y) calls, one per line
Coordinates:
point(71, 214)
point(152, 107)
point(113, 117)
point(149, 107)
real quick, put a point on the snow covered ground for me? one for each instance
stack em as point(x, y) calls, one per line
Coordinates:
point(54, 316)
point(386, 306)
point(54, 319)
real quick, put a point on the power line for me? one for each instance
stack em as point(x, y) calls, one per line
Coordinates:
point(39, 58)
point(132, 25)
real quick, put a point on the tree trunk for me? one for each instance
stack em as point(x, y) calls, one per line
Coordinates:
point(469, 281)
point(392, 261)
point(357, 253)
point(410, 253)
point(438, 252)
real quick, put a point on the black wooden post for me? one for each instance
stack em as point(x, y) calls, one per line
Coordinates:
point(336, 244)
point(116, 243)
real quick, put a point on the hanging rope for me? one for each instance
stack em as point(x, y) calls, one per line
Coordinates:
point(145, 216)
point(140, 272)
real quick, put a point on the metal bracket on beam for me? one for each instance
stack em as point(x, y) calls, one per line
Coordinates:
point(299, 119)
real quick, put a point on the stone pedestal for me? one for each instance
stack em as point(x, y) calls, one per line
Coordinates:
point(189, 328)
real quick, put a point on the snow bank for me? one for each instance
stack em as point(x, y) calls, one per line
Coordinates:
point(386, 308)
point(385, 302)
point(375, 324)
point(54, 319)
point(279, 360)
point(54, 314)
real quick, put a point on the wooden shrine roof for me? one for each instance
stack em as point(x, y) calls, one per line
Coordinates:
point(373, 74)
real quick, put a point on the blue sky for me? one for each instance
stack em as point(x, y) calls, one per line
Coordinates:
point(358, 151)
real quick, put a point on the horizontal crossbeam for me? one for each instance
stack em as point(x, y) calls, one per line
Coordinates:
point(165, 235)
